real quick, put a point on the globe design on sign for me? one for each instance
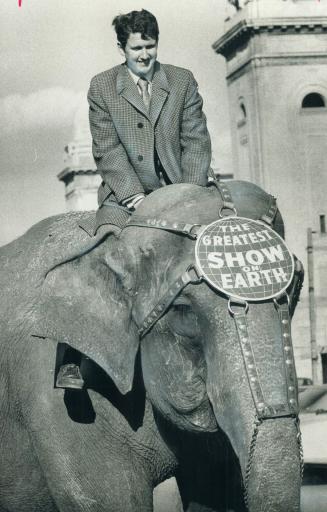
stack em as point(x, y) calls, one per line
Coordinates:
point(244, 259)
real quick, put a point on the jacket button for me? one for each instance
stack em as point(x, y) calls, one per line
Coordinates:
point(140, 125)
point(140, 158)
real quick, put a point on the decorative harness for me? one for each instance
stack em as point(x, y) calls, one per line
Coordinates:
point(194, 274)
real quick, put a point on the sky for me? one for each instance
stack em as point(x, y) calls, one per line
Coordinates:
point(50, 49)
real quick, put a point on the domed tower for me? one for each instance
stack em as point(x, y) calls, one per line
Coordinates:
point(80, 177)
point(276, 56)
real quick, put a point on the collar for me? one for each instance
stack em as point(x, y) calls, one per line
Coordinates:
point(125, 78)
point(136, 77)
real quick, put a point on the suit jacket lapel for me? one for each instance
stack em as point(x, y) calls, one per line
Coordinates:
point(128, 90)
point(160, 91)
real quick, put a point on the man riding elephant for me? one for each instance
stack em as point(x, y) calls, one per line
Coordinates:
point(148, 131)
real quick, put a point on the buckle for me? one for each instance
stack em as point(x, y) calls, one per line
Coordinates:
point(228, 208)
point(188, 228)
point(237, 302)
point(198, 277)
point(278, 300)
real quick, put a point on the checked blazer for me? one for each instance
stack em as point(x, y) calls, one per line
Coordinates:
point(125, 135)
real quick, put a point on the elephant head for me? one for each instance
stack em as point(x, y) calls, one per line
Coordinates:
point(192, 363)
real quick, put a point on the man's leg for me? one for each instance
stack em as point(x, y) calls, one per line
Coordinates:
point(69, 375)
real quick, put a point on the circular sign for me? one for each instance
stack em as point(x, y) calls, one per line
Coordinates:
point(244, 258)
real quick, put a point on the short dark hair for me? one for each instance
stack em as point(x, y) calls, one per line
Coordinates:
point(136, 21)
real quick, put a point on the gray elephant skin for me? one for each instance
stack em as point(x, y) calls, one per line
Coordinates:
point(178, 403)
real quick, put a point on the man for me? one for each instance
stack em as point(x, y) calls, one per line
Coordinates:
point(146, 120)
point(148, 130)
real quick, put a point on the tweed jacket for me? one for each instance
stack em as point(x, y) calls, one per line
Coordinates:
point(125, 134)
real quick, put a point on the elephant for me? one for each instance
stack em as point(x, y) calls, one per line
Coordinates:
point(175, 401)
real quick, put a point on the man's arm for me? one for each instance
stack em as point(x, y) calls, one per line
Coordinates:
point(195, 138)
point(108, 152)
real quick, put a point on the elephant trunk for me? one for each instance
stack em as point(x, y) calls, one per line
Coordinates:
point(268, 451)
point(272, 476)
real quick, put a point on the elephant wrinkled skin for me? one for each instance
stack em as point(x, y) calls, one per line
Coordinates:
point(178, 403)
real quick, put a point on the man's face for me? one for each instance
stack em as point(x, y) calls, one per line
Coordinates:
point(140, 54)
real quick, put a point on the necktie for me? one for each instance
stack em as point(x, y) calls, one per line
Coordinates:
point(143, 83)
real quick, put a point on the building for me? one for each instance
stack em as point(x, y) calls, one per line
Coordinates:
point(80, 175)
point(320, 300)
point(276, 61)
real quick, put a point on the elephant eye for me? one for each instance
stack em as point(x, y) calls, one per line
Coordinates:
point(182, 309)
point(182, 319)
point(181, 300)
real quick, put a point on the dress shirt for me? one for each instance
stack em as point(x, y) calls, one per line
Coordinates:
point(136, 79)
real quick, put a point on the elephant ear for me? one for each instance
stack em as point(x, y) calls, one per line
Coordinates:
point(87, 303)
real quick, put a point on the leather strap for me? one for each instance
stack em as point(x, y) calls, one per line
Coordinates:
point(265, 410)
point(270, 214)
point(182, 228)
point(191, 275)
point(249, 362)
point(289, 362)
point(228, 203)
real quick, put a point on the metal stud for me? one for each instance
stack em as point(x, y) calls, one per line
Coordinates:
point(286, 335)
point(288, 361)
point(245, 340)
point(292, 401)
point(291, 388)
point(253, 379)
point(287, 348)
point(284, 321)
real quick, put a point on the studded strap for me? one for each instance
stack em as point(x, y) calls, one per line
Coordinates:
point(290, 371)
point(249, 362)
point(228, 203)
point(191, 275)
point(183, 228)
point(265, 410)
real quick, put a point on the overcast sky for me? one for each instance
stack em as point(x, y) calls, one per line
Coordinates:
point(50, 49)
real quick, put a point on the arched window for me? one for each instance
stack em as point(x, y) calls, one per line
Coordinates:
point(313, 100)
point(241, 115)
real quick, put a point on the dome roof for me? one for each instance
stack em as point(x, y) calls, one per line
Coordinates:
point(81, 128)
point(79, 150)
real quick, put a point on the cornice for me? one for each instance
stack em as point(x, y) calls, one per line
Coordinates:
point(240, 33)
point(265, 60)
point(67, 174)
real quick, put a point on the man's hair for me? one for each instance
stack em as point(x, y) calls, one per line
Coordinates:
point(136, 21)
